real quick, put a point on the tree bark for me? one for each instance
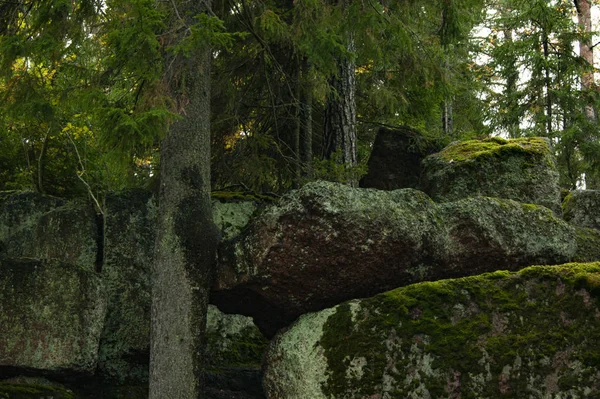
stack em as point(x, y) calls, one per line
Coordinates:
point(586, 51)
point(340, 115)
point(306, 153)
point(187, 238)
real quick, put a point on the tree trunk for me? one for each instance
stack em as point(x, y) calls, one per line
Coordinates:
point(547, 82)
point(340, 115)
point(586, 51)
point(187, 238)
point(511, 74)
point(306, 154)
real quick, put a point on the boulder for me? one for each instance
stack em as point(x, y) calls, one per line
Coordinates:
point(232, 217)
point(234, 353)
point(588, 245)
point(395, 160)
point(530, 334)
point(33, 390)
point(582, 208)
point(488, 234)
point(523, 170)
point(51, 316)
point(327, 243)
point(38, 226)
point(129, 232)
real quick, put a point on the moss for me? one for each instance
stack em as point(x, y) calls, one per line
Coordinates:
point(538, 322)
point(25, 391)
point(495, 146)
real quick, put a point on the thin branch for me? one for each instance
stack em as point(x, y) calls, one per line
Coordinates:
point(80, 174)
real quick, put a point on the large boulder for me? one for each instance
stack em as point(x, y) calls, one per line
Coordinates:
point(327, 243)
point(51, 316)
point(395, 160)
point(129, 232)
point(531, 334)
point(582, 208)
point(523, 170)
point(37, 226)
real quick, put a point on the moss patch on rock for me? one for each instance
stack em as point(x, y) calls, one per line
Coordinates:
point(588, 245)
point(521, 169)
point(27, 391)
point(533, 333)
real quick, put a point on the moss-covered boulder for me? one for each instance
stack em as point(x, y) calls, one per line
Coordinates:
point(234, 354)
point(588, 245)
point(129, 232)
point(51, 316)
point(395, 160)
point(530, 334)
point(327, 243)
point(11, 390)
point(523, 170)
point(582, 208)
point(37, 226)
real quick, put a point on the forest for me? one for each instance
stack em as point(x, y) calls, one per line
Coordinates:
point(87, 86)
point(281, 101)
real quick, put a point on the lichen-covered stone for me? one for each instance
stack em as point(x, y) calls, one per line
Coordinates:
point(523, 170)
point(324, 244)
point(234, 354)
point(582, 208)
point(327, 243)
point(232, 217)
point(530, 334)
point(51, 316)
point(37, 226)
point(488, 234)
point(395, 160)
point(129, 233)
point(588, 245)
point(233, 340)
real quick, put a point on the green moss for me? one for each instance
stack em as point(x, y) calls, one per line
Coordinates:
point(24, 391)
point(495, 146)
point(477, 328)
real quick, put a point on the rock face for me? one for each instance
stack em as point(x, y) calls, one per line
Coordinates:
point(51, 316)
point(395, 160)
point(327, 243)
point(523, 170)
point(535, 334)
point(44, 227)
point(129, 232)
point(235, 349)
point(582, 208)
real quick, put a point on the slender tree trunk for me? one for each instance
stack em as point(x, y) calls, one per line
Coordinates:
point(297, 126)
point(187, 238)
point(511, 75)
point(586, 51)
point(545, 45)
point(306, 154)
point(340, 115)
point(41, 163)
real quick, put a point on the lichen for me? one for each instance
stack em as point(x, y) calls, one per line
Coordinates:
point(533, 333)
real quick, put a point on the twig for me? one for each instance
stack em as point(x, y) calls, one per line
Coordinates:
point(80, 174)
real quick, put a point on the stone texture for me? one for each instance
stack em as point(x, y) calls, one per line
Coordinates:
point(327, 243)
point(523, 170)
point(51, 316)
point(582, 208)
point(43, 227)
point(395, 160)
point(129, 232)
point(232, 217)
point(531, 334)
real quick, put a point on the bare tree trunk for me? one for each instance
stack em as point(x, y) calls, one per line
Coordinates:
point(586, 51)
point(545, 45)
point(340, 115)
point(511, 75)
point(187, 238)
point(306, 153)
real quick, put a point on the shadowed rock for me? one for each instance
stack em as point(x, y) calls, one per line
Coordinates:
point(582, 208)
